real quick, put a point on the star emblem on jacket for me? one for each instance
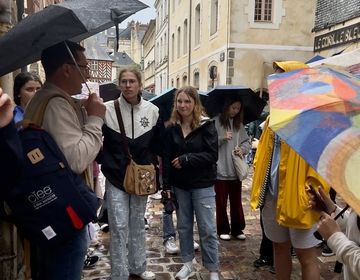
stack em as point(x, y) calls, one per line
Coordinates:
point(144, 121)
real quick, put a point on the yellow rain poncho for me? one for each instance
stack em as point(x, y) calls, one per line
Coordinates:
point(292, 208)
point(292, 201)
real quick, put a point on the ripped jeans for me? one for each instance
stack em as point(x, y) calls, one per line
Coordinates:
point(202, 203)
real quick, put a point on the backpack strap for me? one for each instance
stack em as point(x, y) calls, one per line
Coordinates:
point(34, 114)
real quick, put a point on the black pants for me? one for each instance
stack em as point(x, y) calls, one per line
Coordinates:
point(266, 246)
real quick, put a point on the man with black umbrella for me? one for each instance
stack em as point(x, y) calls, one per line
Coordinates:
point(76, 128)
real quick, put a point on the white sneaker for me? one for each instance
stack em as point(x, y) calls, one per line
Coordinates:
point(156, 196)
point(147, 275)
point(185, 272)
point(214, 276)
point(170, 246)
point(241, 236)
point(225, 236)
point(196, 246)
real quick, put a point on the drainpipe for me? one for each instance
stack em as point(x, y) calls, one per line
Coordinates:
point(168, 47)
point(189, 50)
point(227, 42)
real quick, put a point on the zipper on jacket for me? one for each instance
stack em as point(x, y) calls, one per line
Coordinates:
point(132, 122)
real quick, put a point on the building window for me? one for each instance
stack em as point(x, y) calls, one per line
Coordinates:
point(263, 10)
point(197, 25)
point(172, 82)
point(184, 80)
point(185, 40)
point(160, 50)
point(93, 65)
point(165, 46)
point(214, 16)
point(197, 80)
point(178, 41)
point(172, 46)
point(177, 82)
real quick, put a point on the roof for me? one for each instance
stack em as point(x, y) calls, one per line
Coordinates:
point(121, 58)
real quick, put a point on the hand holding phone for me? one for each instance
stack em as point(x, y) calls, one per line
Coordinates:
point(320, 205)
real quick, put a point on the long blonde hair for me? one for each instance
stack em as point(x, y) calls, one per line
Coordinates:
point(198, 112)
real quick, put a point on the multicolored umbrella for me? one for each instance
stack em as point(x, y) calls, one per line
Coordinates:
point(317, 112)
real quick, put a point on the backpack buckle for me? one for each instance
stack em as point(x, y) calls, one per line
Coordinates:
point(35, 156)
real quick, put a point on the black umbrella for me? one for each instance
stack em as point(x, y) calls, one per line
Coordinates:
point(253, 105)
point(109, 91)
point(164, 102)
point(72, 20)
point(147, 95)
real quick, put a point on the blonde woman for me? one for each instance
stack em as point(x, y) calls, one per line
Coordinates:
point(189, 166)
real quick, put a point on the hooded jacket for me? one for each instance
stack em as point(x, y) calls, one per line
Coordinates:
point(197, 152)
point(143, 130)
point(292, 207)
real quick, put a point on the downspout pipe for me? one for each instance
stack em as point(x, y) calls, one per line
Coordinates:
point(189, 48)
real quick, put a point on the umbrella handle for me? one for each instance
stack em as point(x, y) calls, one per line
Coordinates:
point(77, 67)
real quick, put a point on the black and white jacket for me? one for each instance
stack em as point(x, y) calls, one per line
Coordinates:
point(143, 130)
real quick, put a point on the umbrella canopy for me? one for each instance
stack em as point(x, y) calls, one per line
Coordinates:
point(147, 95)
point(164, 102)
point(317, 112)
point(72, 20)
point(109, 91)
point(253, 105)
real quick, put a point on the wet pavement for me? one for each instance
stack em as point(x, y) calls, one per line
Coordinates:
point(236, 256)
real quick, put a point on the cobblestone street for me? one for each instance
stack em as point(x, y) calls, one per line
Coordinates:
point(236, 257)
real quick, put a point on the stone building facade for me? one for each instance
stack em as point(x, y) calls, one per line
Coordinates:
point(161, 45)
point(234, 41)
point(337, 27)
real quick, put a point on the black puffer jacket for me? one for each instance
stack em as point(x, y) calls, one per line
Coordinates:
point(198, 154)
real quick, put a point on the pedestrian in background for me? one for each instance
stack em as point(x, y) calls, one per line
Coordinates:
point(77, 131)
point(25, 86)
point(190, 155)
point(126, 211)
point(231, 136)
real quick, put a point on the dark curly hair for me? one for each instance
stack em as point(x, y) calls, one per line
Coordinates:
point(20, 80)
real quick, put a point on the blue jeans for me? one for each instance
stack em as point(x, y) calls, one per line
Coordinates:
point(65, 262)
point(202, 203)
point(168, 226)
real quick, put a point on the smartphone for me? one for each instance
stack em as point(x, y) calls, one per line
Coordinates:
point(318, 199)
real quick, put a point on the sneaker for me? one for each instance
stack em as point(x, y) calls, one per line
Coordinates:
point(241, 236)
point(185, 272)
point(196, 246)
point(260, 262)
point(170, 246)
point(156, 196)
point(272, 269)
point(146, 224)
point(225, 237)
point(90, 261)
point(105, 228)
point(326, 251)
point(147, 275)
point(214, 276)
